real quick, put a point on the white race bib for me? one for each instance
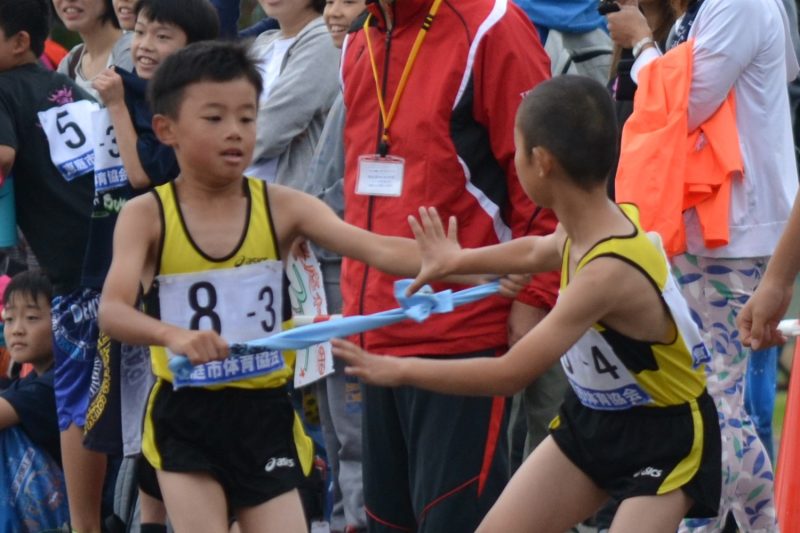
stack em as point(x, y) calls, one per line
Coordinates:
point(598, 377)
point(242, 304)
point(109, 173)
point(69, 132)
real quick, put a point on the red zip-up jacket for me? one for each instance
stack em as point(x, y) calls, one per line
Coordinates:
point(455, 128)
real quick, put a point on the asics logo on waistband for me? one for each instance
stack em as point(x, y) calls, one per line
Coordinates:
point(279, 462)
point(649, 472)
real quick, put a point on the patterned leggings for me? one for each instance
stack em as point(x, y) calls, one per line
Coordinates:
point(716, 289)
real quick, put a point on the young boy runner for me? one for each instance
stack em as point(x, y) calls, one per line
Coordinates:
point(638, 423)
point(207, 250)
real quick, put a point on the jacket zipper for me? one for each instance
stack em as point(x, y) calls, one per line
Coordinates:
point(370, 201)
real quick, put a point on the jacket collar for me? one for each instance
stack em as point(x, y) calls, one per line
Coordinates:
point(402, 12)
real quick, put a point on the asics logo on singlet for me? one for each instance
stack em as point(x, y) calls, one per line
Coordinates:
point(279, 462)
point(649, 471)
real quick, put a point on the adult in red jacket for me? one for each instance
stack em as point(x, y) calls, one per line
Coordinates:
point(435, 462)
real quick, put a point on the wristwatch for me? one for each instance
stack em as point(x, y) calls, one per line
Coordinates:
point(640, 46)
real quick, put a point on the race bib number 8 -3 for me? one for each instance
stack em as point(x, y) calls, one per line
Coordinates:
point(241, 304)
point(69, 133)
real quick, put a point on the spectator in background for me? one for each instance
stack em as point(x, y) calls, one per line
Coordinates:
point(338, 395)
point(37, 500)
point(741, 47)
point(298, 65)
point(435, 462)
point(104, 43)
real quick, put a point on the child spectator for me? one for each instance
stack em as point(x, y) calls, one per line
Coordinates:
point(638, 424)
point(52, 212)
point(104, 44)
point(237, 445)
point(298, 65)
point(29, 436)
point(30, 402)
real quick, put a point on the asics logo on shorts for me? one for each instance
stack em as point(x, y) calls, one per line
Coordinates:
point(649, 472)
point(279, 462)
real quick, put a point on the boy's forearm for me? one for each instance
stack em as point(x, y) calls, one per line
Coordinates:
point(129, 325)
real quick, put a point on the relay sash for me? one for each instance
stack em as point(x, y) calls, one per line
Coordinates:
point(417, 307)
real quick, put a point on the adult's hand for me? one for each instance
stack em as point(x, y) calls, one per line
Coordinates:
point(628, 26)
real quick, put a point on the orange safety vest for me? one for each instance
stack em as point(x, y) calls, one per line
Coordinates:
point(665, 169)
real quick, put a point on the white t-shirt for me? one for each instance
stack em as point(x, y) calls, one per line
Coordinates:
point(746, 45)
point(270, 68)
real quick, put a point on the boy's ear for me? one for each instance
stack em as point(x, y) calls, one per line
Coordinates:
point(21, 43)
point(164, 128)
point(544, 159)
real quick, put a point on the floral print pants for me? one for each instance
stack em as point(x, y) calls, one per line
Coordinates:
point(716, 289)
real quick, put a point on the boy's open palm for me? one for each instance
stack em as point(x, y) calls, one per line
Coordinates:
point(369, 368)
point(199, 346)
point(437, 248)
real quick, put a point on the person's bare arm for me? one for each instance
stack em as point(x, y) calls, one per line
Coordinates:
point(298, 214)
point(109, 84)
point(758, 320)
point(136, 238)
point(8, 415)
point(590, 296)
point(443, 256)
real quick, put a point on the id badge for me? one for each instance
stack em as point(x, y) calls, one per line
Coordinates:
point(380, 176)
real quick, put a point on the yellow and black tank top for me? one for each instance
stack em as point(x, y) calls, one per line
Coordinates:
point(242, 296)
point(610, 371)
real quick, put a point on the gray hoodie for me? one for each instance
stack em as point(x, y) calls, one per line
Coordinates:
point(291, 120)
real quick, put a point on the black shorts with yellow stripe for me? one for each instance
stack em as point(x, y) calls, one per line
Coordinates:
point(646, 451)
point(249, 440)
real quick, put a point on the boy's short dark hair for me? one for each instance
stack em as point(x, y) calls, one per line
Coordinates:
point(31, 16)
point(31, 283)
point(573, 118)
point(215, 61)
point(318, 5)
point(197, 18)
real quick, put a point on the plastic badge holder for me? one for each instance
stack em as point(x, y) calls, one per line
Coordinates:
point(8, 218)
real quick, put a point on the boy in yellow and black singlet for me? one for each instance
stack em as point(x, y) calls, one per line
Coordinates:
point(637, 423)
point(207, 249)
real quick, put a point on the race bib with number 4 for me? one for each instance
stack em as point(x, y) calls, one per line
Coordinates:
point(599, 378)
point(241, 304)
point(69, 133)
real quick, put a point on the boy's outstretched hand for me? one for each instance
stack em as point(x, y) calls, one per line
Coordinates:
point(369, 368)
point(437, 249)
point(199, 346)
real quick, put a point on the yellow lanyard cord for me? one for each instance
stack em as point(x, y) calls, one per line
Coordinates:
point(388, 117)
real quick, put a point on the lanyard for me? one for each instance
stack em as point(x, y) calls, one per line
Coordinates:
point(388, 117)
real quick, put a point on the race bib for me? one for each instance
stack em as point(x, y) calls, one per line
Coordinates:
point(69, 133)
point(241, 304)
point(598, 377)
point(109, 173)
